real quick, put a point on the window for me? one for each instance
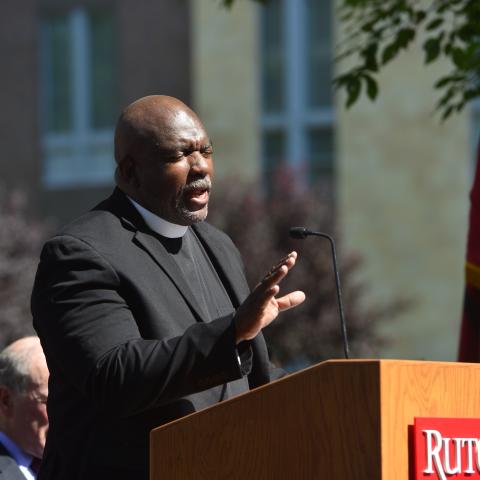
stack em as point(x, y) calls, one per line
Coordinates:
point(296, 73)
point(78, 98)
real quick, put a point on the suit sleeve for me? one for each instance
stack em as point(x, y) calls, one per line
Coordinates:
point(263, 370)
point(91, 337)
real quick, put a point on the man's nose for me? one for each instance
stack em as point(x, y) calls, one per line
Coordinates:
point(199, 164)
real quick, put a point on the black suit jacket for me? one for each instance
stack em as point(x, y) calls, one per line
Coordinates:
point(9, 469)
point(127, 346)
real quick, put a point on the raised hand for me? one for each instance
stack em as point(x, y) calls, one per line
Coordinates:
point(261, 307)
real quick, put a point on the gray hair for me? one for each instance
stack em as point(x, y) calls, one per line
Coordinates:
point(15, 366)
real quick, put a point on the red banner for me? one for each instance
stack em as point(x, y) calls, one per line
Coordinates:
point(469, 350)
point(446, 448)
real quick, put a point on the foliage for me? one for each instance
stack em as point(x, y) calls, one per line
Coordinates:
point(259, 227)
point(378, 30)
point(229, 3)
point(20, 242)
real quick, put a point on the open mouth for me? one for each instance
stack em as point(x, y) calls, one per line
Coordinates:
point(197, 198)
point(196, 194)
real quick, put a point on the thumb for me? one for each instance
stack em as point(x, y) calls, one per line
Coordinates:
point(290, 300)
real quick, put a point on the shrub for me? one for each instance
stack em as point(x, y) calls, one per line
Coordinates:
point(21, 239)
point(259, 226)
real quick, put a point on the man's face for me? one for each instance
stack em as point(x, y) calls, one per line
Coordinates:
point(174, 171)
point(25, 414)
point(31, 421)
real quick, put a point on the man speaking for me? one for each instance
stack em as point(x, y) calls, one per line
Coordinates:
point(142, 308)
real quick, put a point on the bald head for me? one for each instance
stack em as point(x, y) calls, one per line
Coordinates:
point(23, 364)
point(164, 159)
point(146, 120)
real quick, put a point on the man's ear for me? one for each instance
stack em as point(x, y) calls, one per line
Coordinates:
point(127, 169)
point(6, 402)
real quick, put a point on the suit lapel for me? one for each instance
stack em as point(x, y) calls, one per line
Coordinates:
point(145, 239)
point(157, 251)
point(230, 272)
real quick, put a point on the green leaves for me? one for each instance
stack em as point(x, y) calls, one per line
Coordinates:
point(353, 85)
point(432, 49)
point(402, 40)
point(372, 87)
point(354, 88)
point(420, 16)
point(379, 30)
point(389, 53)
point(370, 57)
point(229, 3)
point(386, 28)
point(434, 24)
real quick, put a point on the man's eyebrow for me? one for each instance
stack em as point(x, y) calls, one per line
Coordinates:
point(182, 146)
point(203, 146)
point(166, 149)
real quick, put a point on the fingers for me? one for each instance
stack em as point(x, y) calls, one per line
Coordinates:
point(274, 277)
point(261, 307)
point(290, 300)
point(287, 261)
point(264, 291)
point(268, 288)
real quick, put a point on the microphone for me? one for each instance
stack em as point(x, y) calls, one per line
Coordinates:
point(302, 233)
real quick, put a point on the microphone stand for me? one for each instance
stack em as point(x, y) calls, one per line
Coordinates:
point(302, 233)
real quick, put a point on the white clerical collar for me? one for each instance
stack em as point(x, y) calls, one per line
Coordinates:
point(158, 224)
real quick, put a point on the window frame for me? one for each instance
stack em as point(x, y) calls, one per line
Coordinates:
point(80, 166)
point(297, 117)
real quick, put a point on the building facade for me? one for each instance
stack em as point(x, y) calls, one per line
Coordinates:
point(259, 77)
point(68, 69)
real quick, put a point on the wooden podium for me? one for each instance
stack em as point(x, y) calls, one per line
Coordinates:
point(341, 419)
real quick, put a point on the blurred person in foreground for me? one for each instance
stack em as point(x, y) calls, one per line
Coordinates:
point(142, 307)
point(23, 409)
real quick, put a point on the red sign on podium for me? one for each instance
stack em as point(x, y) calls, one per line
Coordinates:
point(446, 448)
